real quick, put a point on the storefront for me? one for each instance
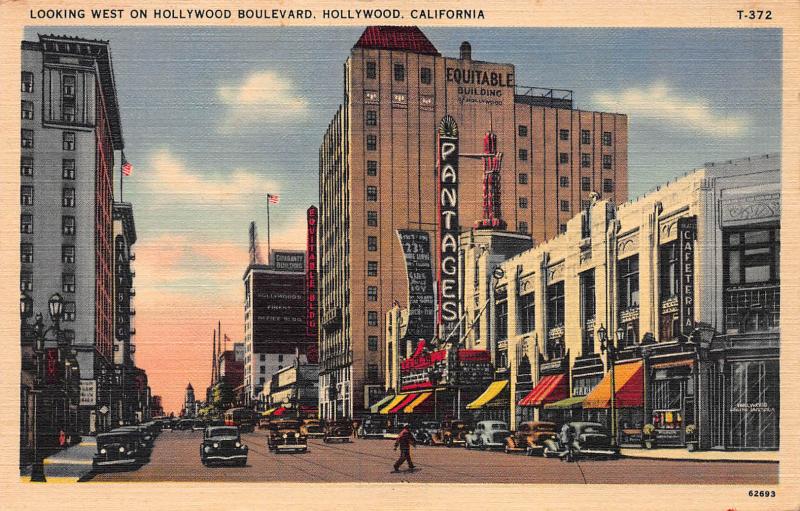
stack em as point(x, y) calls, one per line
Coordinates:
point(672, 398)
point(493, 403)
point(549, 389)
point(754, 404)
point(628, 401)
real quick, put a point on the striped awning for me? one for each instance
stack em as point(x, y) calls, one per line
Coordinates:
point(279, 411)
point(674, 363)
point(394, 402)
point(267, 413)
point(377, 406)
point(570, 403)
point(488, 395)
point(421, 398)
point(628, 385)
point(550, 389)
point(407, 399)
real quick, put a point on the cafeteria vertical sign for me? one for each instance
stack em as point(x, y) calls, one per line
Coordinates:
point(447, 274)
point(419, 269)
point(687, 233)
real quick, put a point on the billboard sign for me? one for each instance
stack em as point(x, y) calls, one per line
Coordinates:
point(419, 269)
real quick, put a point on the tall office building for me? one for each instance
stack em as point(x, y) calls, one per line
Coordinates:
point(70, 130)
point(378, 173)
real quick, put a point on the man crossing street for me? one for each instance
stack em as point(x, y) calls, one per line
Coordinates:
point(404, 442)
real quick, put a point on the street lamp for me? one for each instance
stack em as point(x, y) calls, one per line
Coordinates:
point(607, 346)
point(433, 377)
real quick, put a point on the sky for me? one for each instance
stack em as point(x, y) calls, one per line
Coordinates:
point(214, 118)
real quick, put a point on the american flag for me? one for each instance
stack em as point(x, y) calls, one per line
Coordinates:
point(127, 168)
point(273, 199)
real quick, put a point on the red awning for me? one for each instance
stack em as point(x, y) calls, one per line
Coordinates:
point(405, 402)
point(629, 386)
point(549, 390)
point(279, 411)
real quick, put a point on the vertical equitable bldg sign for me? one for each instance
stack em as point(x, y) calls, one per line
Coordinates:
point(311, 284)
point(447, 166)
point(687, 229)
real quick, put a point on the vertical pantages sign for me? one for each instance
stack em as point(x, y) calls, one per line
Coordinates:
point(447, 269)
point(687, 231)
point(312, 319)
point(419, 269)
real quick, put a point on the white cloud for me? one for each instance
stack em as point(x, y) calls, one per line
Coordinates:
point(260, 97)
point(659, 102)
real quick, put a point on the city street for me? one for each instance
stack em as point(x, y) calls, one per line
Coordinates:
point(176, 458)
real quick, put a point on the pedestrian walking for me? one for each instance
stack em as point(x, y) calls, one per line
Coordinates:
point(404, 442)
point(568, 439)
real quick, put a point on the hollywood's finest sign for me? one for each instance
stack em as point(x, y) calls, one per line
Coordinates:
point(419, 269)
point(687, 230)
point(447, 166)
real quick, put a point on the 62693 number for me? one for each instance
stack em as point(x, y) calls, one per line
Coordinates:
point(761, 493)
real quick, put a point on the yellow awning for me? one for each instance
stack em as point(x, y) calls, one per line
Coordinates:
point(420, 399)
point(629, 386)
point(490, 393)
point(268, 412)
point(394, 402)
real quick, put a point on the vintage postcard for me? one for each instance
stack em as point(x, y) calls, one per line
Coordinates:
point(509, 255)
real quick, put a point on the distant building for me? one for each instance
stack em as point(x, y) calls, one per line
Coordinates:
point(189, 403)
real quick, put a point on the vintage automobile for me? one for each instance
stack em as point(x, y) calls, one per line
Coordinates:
point(372, 427)
point(198, 425)
point(530, 438)
point(243, 418)
point(223, 445)
point(590, 440)
point(450, 434)
point(184, 425)
point(338, 431)
point(423, 432)
point(312, 428)
point(284, 435)
point(487, 435)
point(146, 438)
point(263, 422)
point(117, 449)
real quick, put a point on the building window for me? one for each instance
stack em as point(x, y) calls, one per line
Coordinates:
point(68, 282)
point(26, 166)
point(523, 202)
point(372, 373)
point(586, 137)
point(372, 193)
point(26, 281)
point(585, 204)
point(67, 253)
point(68, 225)
point(399, 73)
point(565, 205)
point(262, 357)
point(608, 185)
point(26, 252)
point(68, 141)
point(588, 308)
point(372, 243)
point(27, 81)
point(68, 110)
point(27, 139)
point(372, 69)
point(607, 138)
point(501, 320)
point(372, 293)
point(27, 109)
point(607, 161)
point(523, 154)
point(68, 86)
point(372, 268)
point(555, 305)
point(628, 282)
point(586, 184)
point(372, 168)
point(26, 195)
point(752, 256)
point(522, 227)
point(372, 218)
point(522, 130)
point(669, 282)
point(26, 223)
point(425, 75)
point(68, 197)
point(563, 134)
point(372, 118)
point(68, 311)
point(523, 179)
point(562, 228)
point(68, 169)
point(372, 343)
point(563, 181)
point(527, 313)
point(372, 143)
point(563, 158)
point(586, 160)
point(372, 318)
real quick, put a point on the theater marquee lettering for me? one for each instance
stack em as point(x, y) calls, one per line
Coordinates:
point(447, 143)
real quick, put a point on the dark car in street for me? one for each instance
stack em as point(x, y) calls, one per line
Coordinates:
point(284, 435)
point(312, 428)
point(146, 438)
point(372, 427)
point(338, 431)
point(590, 439)
point(223, 445)
point(423, 432)
point(118, 449)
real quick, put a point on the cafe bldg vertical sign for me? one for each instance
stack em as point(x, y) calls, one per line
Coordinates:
point(447, 268)
point(687, 233)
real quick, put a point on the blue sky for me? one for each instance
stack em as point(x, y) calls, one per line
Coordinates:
point(213, 118)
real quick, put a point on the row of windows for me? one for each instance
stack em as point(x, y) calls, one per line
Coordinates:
point(563, 158)
point(563, 134)
point(563, 181)
point(67, 168)
point(67, 140)
point(67, 196)
point(425, 73)
point(67, 253)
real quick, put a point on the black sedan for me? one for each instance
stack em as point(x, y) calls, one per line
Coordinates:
point(118, 449)
point(223, 445)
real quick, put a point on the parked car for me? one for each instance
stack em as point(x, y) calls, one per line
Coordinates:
point(590, 440)
point(284, 435)
point(117, 449)
point(198, 425)
point(184, 425)
point(338, 431)
point(372, 427)
point(146, 439)
point(223, 445)
point(530, 437)
point(312, 428)
point(423, 431)
point(451, 433)
point(487, 435)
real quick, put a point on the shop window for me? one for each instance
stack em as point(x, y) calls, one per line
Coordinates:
point(425, 75)
point(527, 313)
point(754, 404)
point(371, 69)
point(586, 137)
point(523, 179)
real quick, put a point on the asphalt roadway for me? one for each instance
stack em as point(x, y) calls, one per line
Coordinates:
point(176, 457)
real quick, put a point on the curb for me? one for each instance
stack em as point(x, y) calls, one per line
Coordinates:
point(699, 460)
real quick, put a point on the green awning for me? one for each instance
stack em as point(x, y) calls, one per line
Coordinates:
point(566, 404)
point(377, 406)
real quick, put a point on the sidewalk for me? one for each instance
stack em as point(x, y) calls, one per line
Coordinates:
point(68, 465)
point(684, 455)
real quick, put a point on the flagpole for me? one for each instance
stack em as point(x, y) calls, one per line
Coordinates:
point(269, 251)
point(121, 174)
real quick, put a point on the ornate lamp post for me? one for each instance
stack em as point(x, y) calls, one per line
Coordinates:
point(434, 376)
point(607, 346)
